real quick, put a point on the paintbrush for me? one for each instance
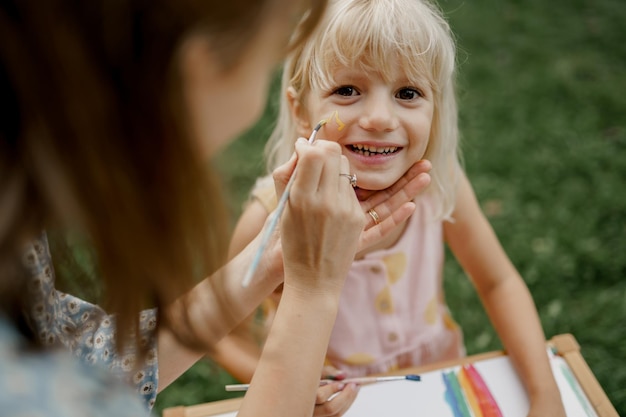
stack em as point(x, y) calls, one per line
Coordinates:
point(360, 381)
point(276, 216)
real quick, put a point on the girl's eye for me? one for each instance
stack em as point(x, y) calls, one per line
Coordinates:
point(346, 91)
point(408, 93)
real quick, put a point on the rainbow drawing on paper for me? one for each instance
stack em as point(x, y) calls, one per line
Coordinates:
point(488, 404)
point(454, 396)
point(468, 395)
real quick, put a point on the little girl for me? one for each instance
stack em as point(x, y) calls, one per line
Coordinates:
point(382, 73)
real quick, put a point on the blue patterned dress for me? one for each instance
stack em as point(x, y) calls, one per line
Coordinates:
point(52, 383)
point(85, 329)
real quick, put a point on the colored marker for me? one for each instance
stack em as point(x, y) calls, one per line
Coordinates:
point(359, 381)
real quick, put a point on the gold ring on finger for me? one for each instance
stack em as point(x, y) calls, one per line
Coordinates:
point(374, 216)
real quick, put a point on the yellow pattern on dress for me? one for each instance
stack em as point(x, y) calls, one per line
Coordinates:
point(430, 313)
point(449, 322)
point(384, 302)
point(396, 266)
point(359, 359)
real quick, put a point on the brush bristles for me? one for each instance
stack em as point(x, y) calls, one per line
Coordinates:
point(320, 124)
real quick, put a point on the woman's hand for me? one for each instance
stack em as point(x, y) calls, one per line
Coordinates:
point(322, 221)
point(334, 399)
point(392, 205)
point(319, 230)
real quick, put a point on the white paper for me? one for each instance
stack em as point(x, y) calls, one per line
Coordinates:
point(426, 397)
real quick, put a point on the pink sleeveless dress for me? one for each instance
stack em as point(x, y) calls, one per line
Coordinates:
point(392, 312)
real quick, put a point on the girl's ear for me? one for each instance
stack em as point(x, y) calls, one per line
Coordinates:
point(298, 113)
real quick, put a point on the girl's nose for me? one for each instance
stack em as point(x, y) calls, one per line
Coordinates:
point(378, 114)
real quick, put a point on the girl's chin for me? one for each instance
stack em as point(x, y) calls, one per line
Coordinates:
point(363, 194)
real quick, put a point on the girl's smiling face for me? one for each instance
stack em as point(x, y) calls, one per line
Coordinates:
point(387, 121)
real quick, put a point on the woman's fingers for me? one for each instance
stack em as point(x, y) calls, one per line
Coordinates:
point(378, 231)
point(386, 201)
point(322, 221)
point(283, 173)
point(334, 399)
point(386, 209)
point(330, 372)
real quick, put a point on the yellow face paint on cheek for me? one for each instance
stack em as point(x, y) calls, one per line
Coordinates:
point(340, 124)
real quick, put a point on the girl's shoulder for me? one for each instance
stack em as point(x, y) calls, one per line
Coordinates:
point(427, 206)
point(265, 193)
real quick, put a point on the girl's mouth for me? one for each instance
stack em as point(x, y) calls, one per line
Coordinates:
point(367, 150)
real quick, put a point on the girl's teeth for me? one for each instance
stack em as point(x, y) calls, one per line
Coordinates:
point(369, 150)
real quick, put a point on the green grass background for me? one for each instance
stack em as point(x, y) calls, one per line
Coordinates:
point(543, 124)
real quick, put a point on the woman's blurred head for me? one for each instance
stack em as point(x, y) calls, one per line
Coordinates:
point(109, 111)
point(226, 78)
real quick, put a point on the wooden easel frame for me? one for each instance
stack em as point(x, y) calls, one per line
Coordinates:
point(565, 345)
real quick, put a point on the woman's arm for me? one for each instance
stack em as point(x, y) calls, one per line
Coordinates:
point(320, 229)
point(238, 352)
point(215, 306)
point(505, 297)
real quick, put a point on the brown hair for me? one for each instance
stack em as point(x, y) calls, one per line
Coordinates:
point(93, 139)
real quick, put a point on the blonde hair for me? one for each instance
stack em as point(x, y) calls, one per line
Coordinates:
point(375, 34)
